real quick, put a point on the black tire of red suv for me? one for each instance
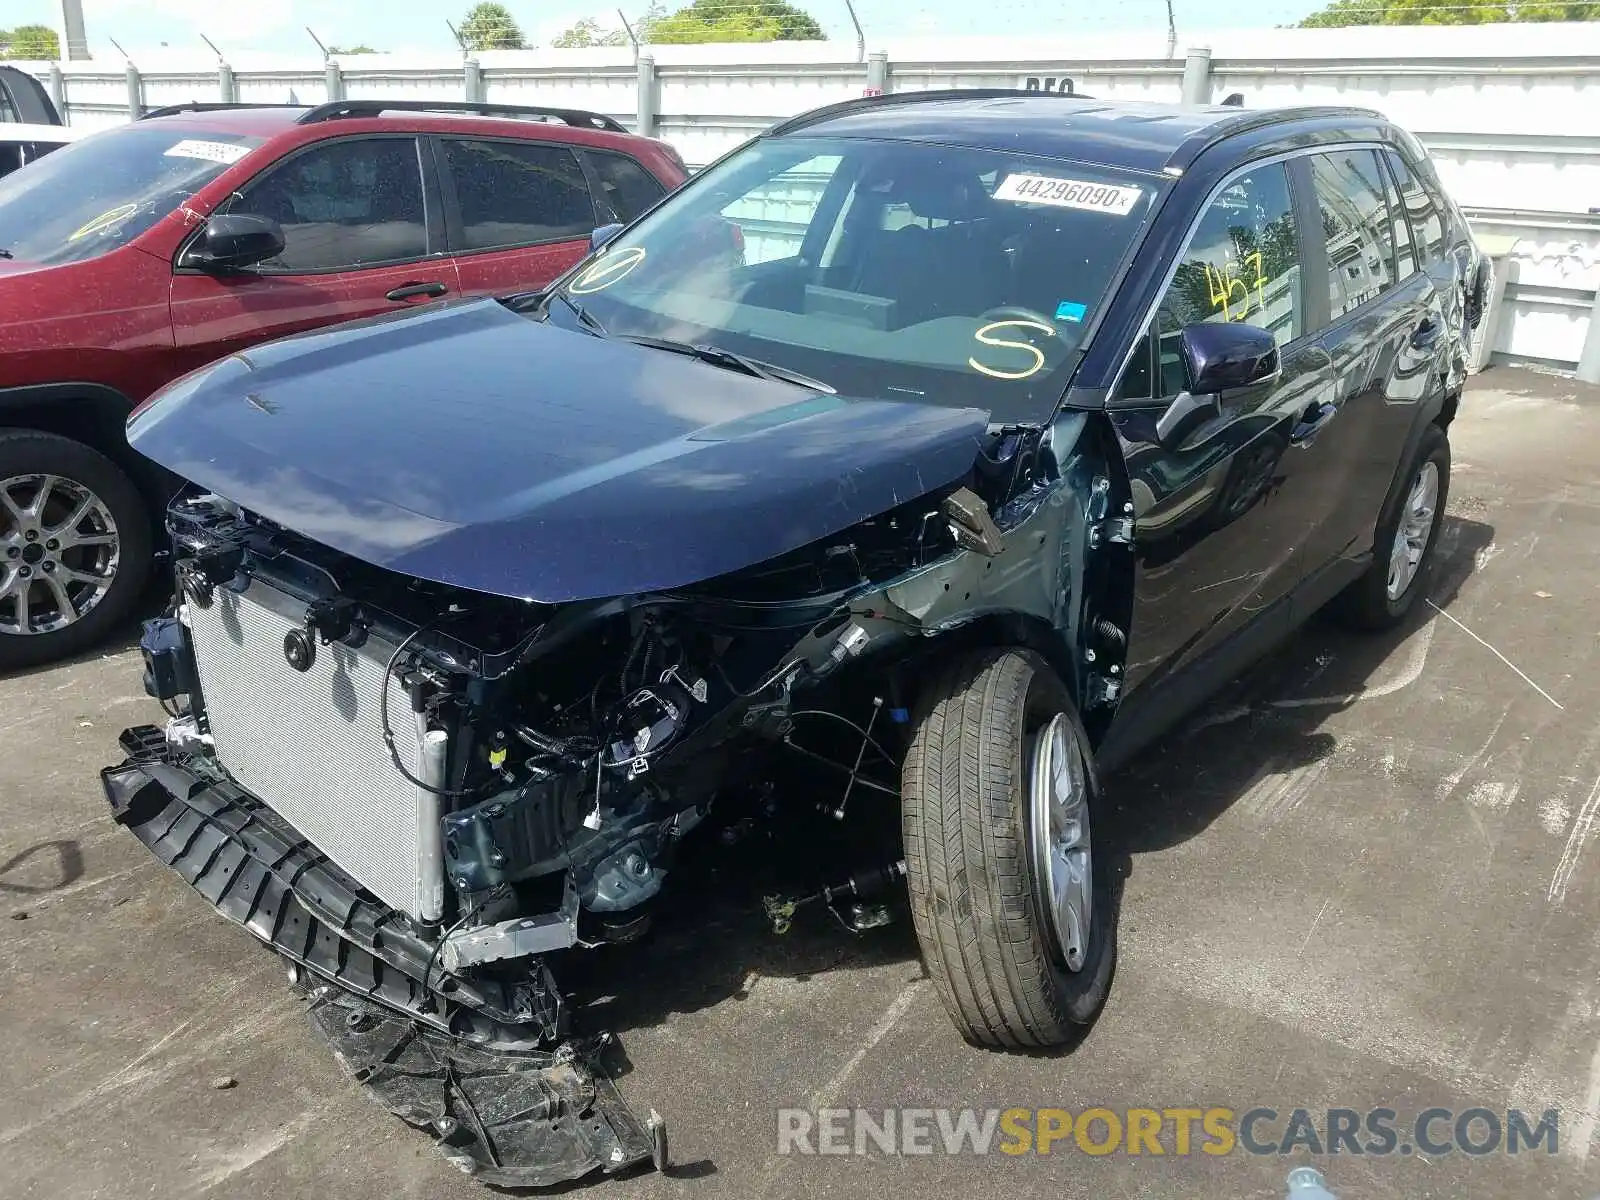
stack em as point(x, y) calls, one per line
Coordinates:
point(29, 452)
point(1366, 604)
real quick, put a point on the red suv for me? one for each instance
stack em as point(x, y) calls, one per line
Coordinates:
point(145, 251)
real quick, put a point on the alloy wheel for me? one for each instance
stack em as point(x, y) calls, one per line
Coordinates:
point(1415, 528)
point(1063, 875)
point(59, 552)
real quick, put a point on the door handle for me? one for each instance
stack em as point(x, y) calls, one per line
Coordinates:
point(1311, 422)
point(410, 290)
point(1425, 334)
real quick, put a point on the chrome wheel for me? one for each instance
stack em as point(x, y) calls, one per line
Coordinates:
point(59, 552)
point(1063, 876)
point(1416, 526)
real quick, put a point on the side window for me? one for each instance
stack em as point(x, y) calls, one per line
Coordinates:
point(518, 193)
point(1405, 255)
point(347, 204)
point(629, 189)
point(1426, 220)
point(1243, 264)
point(1355, 222)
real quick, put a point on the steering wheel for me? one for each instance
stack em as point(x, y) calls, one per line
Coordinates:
point(1015, 312)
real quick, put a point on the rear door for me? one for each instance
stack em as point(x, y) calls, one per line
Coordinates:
point(1219, 519)
point(621, 187)
point(1377, 307)
point(518, 212)
point(358, 241)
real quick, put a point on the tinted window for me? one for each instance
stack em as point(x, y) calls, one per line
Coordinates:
point(1405, 255)
point(628, 188)
point(347, 204)
point(102, 192)
point(518, 193)
point(927, 273)
point(1355, 224)
point(1243, 263)
point(1426, 222)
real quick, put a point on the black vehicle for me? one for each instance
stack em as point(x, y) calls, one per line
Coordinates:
point(947, 445)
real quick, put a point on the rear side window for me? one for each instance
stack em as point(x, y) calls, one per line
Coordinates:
point(518, 193)
point(343, 205)
point(627, 188)
point(1355, 224)
point(1427, 223)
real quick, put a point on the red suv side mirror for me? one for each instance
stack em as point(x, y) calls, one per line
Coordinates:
point(232, 240)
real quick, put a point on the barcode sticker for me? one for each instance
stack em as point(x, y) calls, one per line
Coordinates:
point(1068, 193)
point(220, 152)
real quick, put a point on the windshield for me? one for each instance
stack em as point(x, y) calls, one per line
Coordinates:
point(896, 270)
point(102, 192)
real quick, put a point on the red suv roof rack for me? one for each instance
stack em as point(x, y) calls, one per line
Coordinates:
point(339, 110)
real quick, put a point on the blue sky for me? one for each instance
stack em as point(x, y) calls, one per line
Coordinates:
point(278, 25)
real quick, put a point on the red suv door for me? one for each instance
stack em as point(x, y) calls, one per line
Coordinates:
point(518, 212)
point(360, 237)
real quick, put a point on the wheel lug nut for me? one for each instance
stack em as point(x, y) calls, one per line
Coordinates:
point(32, 535)
point(48, 566)
point(12, 551)
point(52, 544)
point(25, 572)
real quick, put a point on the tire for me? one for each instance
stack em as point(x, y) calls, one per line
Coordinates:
point(1366, 604)
point(987, 939)
point(124, 560)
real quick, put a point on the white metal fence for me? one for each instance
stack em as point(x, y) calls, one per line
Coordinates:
point(1511, 113)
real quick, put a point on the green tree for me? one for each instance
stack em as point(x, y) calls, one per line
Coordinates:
point(587, 32)
point(353, 50)
point(490, 26)
point(735, 21)
point(30, 42)
point(1444, 12)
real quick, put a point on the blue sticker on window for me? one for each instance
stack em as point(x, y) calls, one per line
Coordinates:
point(1067, 310)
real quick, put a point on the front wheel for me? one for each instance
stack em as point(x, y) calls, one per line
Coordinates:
point(1010, 897)
point(75, 548)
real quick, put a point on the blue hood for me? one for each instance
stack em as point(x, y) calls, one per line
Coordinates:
point(472, 446)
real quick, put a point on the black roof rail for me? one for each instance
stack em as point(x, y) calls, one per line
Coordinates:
point(895, 99)
point(168, 110)
point(339, 110)
point(1202, 140)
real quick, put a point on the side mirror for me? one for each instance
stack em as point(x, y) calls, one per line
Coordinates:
point(1218, 357)
point(232, 240)
point(1221, 356)
point(604, 234)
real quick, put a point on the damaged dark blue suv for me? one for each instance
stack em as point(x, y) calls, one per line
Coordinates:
point(921, 459)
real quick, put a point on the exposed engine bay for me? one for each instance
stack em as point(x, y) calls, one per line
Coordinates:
point(423, 796)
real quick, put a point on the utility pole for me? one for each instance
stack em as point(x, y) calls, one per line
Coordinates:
point(71, 31)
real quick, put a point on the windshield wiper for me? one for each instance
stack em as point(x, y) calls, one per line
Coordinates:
point(585, 318)
point(717, 356)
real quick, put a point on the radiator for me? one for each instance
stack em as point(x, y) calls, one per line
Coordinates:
point(310, 744)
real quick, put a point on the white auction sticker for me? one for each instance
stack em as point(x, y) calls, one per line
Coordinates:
point(1068, 193)
point(220, 152)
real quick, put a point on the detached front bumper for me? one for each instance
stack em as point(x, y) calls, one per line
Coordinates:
point(474, 1067)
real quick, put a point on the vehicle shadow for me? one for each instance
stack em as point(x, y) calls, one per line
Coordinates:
point(1271, 719)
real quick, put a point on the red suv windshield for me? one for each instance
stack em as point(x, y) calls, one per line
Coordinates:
point(100, 193)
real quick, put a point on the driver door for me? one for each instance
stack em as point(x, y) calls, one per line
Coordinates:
point(361, 238)
point(1218, 516)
